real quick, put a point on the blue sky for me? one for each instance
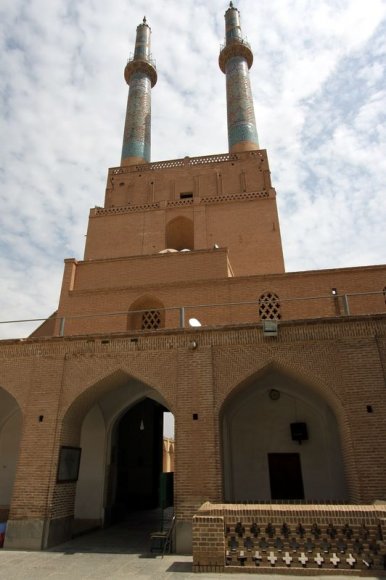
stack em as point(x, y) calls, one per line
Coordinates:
point(318, 81)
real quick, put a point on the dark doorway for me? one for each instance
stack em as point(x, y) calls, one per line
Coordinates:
point(285, 475)
point(138, 459)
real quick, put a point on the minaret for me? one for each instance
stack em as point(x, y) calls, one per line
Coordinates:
point(141, 76)
point(235, 61)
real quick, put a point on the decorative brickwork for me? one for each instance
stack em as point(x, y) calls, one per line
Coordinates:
point(174, 163)
point(289, 538)
point(269, 306)
point(151, 320)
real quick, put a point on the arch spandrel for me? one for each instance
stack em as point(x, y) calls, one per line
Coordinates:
point(294, 373)
point(93, 391)
point(233, 369)
point(92, 376)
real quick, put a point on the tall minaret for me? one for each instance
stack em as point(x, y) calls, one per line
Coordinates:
point(235, 61)
point(141, 76)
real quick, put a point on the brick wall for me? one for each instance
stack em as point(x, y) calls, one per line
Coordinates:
point(196, 372)
point(232, 204)
point(114, 286)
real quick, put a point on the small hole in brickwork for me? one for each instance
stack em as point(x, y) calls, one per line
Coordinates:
point(133, 339)
point(369, 409)
point(41, 417)
point(195, 416)
point(105, 342)
point(121, 184)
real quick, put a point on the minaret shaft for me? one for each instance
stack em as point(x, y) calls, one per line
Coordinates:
point(235, 61)
point(141, 76)
point(136, 136)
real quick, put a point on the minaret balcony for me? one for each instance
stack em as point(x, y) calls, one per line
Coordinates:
point(146, 66)
point(235, 47)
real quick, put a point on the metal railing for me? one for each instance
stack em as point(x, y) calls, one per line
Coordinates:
point(213, 314)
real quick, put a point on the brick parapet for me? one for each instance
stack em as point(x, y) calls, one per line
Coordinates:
point(236, 520)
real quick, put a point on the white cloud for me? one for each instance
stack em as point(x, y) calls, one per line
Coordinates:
point(319, 87)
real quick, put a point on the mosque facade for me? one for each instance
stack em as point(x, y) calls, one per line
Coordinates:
point(181, 304)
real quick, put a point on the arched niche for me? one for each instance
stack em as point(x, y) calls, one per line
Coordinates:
point(146, 313)
point(180, 234)
point(10, 434)
point(96, 417)
point(261, 460)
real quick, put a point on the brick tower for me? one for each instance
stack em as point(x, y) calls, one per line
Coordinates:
point(222, 208)
point(277, 392)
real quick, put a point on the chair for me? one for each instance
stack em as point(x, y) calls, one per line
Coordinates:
point(161, 542)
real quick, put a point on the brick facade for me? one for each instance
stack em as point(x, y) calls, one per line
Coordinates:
point(121, 335)
point(60, 379)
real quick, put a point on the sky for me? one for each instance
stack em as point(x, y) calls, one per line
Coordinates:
point(318, 82)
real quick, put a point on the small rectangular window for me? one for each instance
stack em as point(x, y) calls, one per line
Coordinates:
point(186, 195)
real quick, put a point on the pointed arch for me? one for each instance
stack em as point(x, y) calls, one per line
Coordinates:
point(146, 313)
point(10, 434)
point(180, 234)
point(250, 417)
point(88, 423)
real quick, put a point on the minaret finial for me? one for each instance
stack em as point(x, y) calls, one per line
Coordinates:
point(141, 76)
point(235, 59)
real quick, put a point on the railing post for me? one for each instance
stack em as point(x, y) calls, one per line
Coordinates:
point(61, 327)
point(182, 317)
point(346, 305)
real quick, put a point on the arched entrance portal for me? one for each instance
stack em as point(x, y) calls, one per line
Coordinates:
point(10, 432)
point(280, 442)
point(137, 459)
point(122, 441)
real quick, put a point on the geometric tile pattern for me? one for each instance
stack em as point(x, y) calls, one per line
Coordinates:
point(136, 137)
point(241, 115)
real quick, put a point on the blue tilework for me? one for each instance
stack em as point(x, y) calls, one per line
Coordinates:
point(136, 137)
point(241, 115)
